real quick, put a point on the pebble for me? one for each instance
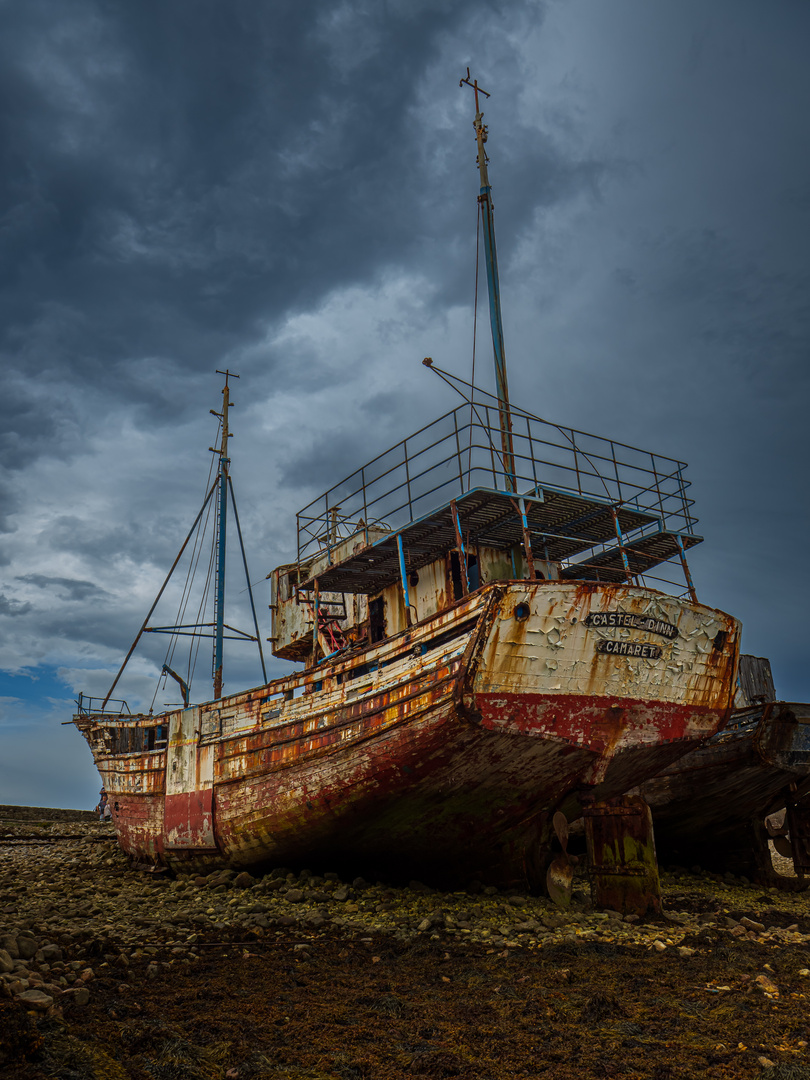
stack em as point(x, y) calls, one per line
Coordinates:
point(78, 898)
point(767, 986)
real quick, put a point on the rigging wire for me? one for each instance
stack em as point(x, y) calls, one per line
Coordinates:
point(185, 596)
point(446, 376)
point(190, 578)
point(195, 649)
point(199, 553)
point(196, 554)
point(253, 584)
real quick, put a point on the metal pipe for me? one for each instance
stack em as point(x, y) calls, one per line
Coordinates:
point(404, 576)
point(462, 554)
point(690, 586)
point(315, 616)
point(527, 541)
point(620, 538)
point(181, 683)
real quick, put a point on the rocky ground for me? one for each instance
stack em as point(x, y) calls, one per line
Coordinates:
point(107, 972)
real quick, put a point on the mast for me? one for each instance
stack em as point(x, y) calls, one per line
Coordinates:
point(221, 487)
point(222, 529)
point(496, 323)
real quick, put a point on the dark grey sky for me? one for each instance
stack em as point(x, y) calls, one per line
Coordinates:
point(289, 189)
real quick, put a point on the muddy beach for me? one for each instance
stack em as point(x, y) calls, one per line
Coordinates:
point(109, 972)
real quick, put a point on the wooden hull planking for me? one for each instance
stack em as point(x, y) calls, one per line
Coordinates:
point(710, 806)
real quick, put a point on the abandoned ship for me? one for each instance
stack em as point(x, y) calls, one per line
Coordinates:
point(724, 803)
point(490, 628)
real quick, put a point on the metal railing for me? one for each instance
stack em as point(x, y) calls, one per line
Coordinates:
point(87, 705)
point(461, 451)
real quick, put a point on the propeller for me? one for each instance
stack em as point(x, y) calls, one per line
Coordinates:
point(776, 828)
point(560, 875)
point(783, 846)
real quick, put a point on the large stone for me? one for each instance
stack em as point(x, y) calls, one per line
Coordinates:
point(9, 943)
point(243, 880)
point(751, 924)
point(27, 946)
point(36, 999)
point(6, 962)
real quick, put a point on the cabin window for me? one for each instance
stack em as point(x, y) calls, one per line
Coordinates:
point(376, 619)
point(473, 573)
point(150, 739)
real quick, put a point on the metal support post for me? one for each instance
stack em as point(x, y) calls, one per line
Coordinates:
point(689, 584)
point(527, 540)
point(404, 577)
point(620, 538)
point(316, 618)
point(462, 555)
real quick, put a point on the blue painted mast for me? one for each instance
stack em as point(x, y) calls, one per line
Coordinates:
point(222, 529)
point(496, 323)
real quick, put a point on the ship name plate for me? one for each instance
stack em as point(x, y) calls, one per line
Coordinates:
point(644, 650)
point(631, 621)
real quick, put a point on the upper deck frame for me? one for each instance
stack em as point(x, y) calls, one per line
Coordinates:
point(459, 457)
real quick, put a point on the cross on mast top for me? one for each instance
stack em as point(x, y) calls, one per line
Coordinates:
point(475, 86)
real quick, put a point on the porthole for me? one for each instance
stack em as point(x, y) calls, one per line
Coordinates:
point(522, 612)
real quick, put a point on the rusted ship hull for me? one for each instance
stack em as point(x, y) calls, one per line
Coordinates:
point(710, 807)
point(444, 748)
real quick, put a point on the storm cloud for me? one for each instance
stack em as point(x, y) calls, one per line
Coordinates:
point(289, 191)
